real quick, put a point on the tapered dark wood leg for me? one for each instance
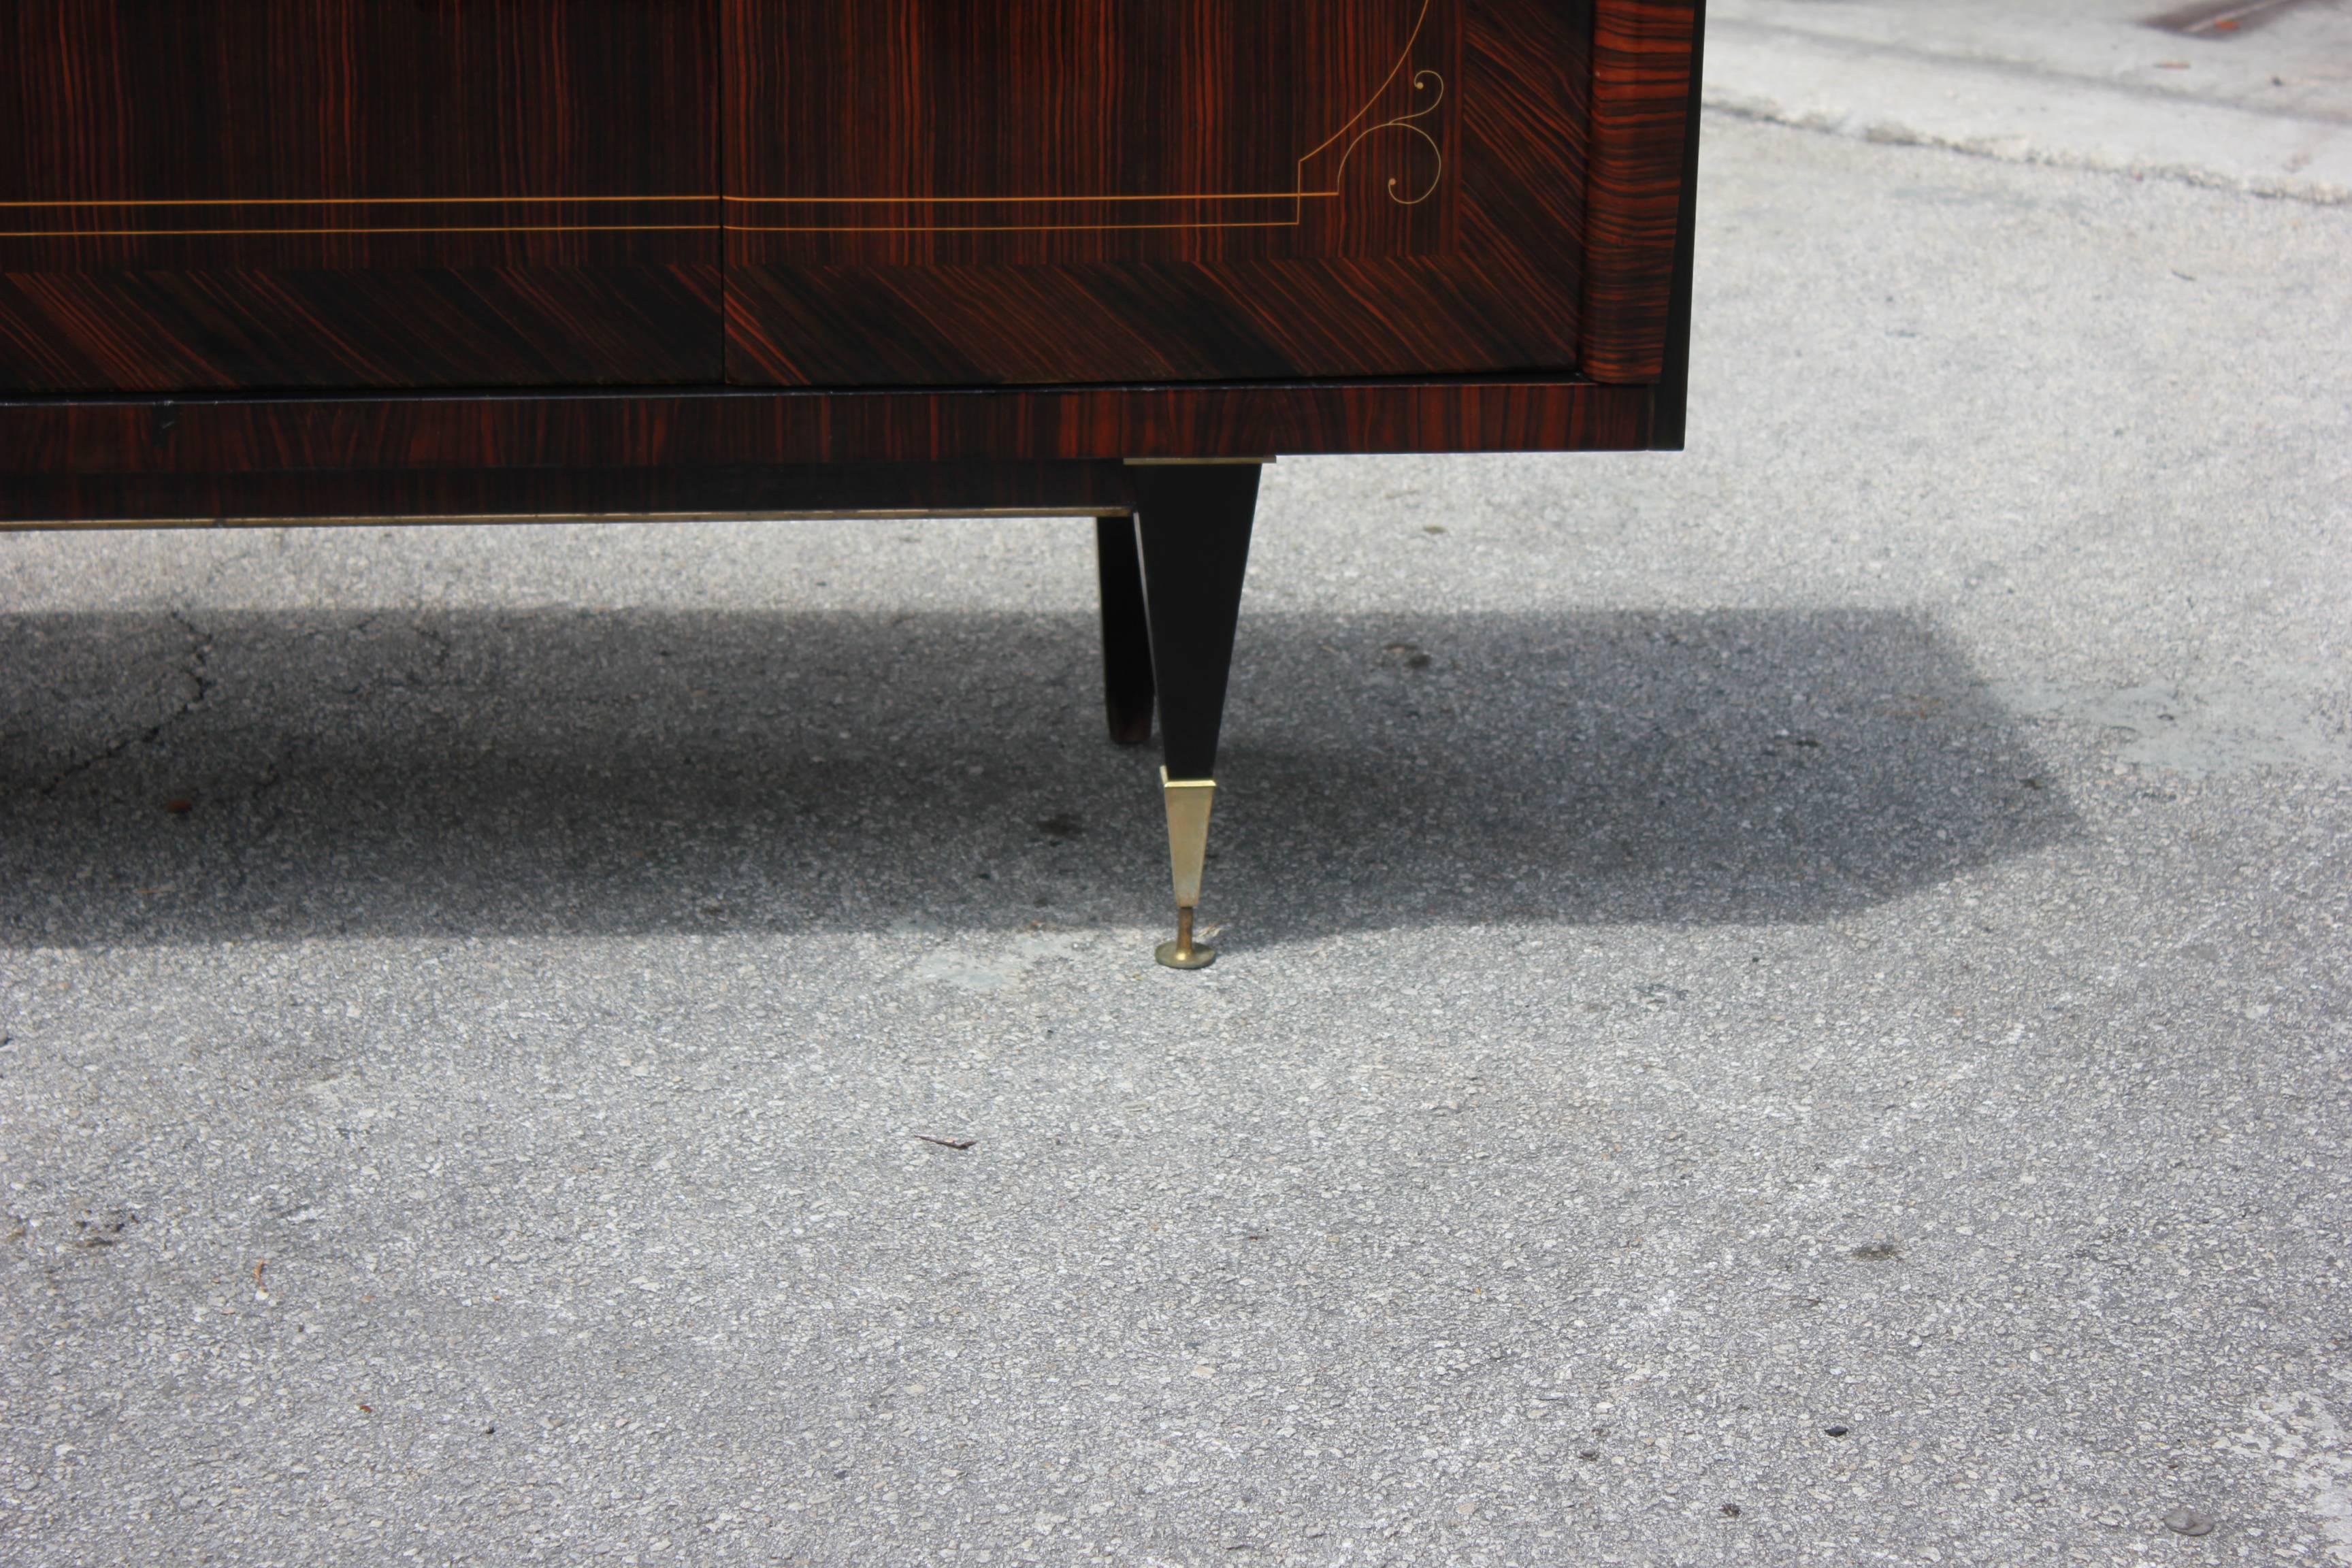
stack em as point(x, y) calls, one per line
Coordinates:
point(1126, 632)
point(1192, 525)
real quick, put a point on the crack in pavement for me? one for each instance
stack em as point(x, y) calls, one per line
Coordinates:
point(197, 670)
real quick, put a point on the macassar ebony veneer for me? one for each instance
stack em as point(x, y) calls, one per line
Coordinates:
point(321, 260)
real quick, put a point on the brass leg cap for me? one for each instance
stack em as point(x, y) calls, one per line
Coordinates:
point(1184, 955)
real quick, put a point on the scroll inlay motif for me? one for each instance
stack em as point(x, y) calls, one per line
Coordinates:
point(1402, 106)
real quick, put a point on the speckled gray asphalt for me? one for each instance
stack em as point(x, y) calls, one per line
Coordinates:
point(1785, 1004)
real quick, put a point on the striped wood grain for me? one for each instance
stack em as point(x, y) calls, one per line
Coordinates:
point(357, 192)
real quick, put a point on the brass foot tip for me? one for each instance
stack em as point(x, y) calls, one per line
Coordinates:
point(1183, 953)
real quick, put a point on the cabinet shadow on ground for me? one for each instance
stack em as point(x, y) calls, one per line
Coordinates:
point(180, 779)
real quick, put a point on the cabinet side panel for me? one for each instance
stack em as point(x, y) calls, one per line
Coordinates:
point(1644, 52)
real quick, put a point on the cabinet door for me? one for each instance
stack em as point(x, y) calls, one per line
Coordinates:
point(927, 191)
point(215, 193)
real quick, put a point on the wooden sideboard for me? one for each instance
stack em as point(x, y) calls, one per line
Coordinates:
point(312, 260)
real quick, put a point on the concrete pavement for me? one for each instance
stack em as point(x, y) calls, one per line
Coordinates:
point(2247, 96)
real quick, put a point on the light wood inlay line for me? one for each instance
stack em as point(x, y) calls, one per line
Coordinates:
point(1420, 81)
point(972, 201)
point(999, 228)
point(266, 233)
point(337, 201)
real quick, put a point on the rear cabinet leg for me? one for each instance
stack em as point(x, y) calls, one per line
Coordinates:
point(1192, 525)
point(1126, 632)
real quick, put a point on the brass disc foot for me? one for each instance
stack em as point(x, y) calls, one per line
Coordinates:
point(1184, 952)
